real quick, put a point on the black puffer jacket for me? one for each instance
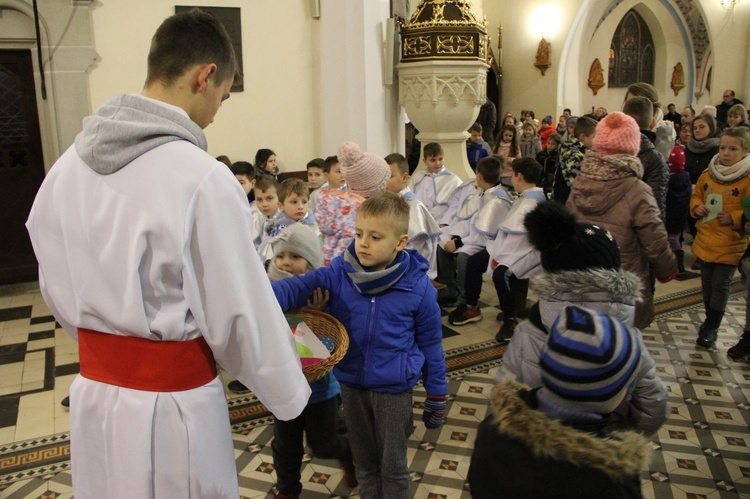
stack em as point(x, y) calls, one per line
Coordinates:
point(522, 453)
point(655, 169)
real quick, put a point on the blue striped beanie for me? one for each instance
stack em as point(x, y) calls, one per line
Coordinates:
point(589, 360)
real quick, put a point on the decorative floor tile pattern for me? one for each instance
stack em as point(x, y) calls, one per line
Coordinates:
point(702, 451)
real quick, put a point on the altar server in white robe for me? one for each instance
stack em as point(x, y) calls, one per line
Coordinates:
point(434, 184)
point(146, 258)
point(423, 231)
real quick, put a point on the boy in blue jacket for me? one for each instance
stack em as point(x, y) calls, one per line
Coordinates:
point(381, 293)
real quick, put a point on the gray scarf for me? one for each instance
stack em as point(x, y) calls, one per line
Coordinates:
point(372, 283)
point(702, 146)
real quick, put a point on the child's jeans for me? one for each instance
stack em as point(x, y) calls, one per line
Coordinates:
point(452, 271)
point(319, 422)
point(379, 425)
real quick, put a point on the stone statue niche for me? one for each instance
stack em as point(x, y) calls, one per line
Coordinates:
point(543, 56)
point(596, 76)
point(678, 78)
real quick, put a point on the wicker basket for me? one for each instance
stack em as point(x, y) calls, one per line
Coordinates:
point(324, 325)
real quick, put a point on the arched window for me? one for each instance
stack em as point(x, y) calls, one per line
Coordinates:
point(631, 53)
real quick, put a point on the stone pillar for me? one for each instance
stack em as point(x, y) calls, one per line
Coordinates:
point(355, 104)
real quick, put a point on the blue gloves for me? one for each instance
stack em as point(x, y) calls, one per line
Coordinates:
point(435, 408)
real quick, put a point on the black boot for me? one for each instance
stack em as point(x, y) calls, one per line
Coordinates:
point(742, 348)
point(709, 330)
point(680, 254)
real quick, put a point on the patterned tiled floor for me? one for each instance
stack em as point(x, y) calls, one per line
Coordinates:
point(702, 451)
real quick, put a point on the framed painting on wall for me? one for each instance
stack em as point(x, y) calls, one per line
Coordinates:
point(230, 18)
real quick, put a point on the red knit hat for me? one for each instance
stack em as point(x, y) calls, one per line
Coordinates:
point(676, 160)
point(617, 133)
point(365, 173)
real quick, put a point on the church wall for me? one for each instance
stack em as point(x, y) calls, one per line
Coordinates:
point(355, 104)
point(730, 41)
point(288, 107)
point(65, 32)
point(574, 49)
point(669, 50)
point(524, 87)
point(276, 109)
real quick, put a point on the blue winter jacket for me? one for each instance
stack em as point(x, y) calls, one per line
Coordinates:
point(395, 337)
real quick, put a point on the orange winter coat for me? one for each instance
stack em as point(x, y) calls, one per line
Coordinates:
point(716, 243)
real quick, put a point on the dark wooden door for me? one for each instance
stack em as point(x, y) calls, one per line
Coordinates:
point(21, 164)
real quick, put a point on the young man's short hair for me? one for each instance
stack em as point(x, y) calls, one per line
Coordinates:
point(490, 168)
point(641, 110)
point(316, 163)
point(187, 39)
point(292, 186)
point(329, 162)
point(390, 207)
point(265, 182)
point(555, 137)
point(399, 160)
point(476, 127)
point(568, 110)
point(433, 149)
point(584, 125)
point(529, 168)
point(243, 168)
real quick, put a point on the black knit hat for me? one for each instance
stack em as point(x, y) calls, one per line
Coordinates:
point(567, 244)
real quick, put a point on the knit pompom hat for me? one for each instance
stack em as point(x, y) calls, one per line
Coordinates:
point(567, 244)
point(617, 133)
point(676, 160)
point(589, 360)
point(365, 173)
point(301, 240)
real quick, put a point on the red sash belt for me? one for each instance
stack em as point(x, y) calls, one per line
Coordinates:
point(141, 364)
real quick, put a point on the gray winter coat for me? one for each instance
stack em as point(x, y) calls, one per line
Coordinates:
point(613, 292)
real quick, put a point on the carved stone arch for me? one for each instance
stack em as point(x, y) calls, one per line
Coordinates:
point(589, 36)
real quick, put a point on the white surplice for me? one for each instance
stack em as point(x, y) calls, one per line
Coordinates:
point(158, 247)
